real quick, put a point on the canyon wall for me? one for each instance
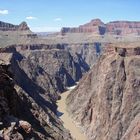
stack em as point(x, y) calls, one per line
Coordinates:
point(27, 108)
point(32, 76)
point(15, 34)
point(37, 73)
point(105, 104)
point(10, 27)
point(123, 28)
point(97, 27)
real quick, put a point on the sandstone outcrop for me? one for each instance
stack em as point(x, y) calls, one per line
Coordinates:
point(96, 26)
point(15, 34)
point(10, 27)
point(123, 28)
point(34, 73)
point(106, 101)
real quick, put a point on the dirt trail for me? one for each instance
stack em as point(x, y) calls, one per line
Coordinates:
point(68, 123)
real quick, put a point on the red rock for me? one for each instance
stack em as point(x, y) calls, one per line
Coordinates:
point(96, 26)
point(10, 27)
point(123, 27)
point(106, 101)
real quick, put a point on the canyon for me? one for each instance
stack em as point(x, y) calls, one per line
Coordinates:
point(37, 71)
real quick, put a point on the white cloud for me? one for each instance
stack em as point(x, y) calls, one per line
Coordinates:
point(31, 18)
point(58, 19)
point(45, 29)
point(4, 12)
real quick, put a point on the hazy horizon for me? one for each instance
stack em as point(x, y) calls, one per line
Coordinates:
point(47, 16)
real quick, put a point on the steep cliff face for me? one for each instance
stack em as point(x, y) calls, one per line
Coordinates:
point(52, 61)
point(15, 34)
point(41, 72)
point(123, 28)
point(24, 112)
point(97, 27)
point(10, 27)
point(86, 53)
point(106, 101)
point(11, 127)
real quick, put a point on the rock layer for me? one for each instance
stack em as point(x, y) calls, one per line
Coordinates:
point(11, 127)
point(53, 61)
point(27, 110)
point(41, 72)
point(123, 28)
point(10, 27)
point(97, 27)
point(106, 101)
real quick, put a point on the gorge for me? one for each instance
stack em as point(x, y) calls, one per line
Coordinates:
point(36, 74)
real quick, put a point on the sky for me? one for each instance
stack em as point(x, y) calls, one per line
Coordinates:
point(52, 15)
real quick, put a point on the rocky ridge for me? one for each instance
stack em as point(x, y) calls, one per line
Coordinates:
point(27, 110)
point(11, 127)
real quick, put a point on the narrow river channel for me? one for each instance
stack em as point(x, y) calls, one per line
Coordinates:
point(67, 121)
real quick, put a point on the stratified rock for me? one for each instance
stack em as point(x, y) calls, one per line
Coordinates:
point(17, 104)
point(123, 28)
point(96, 26)
point(106, 101)
point(10, 27)
point(53, 67)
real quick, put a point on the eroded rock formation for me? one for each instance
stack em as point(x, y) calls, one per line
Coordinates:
point(10, 27)
point(11, 127)
point(32, 76)
point(53, 62)
point(106, 101)
point(27, 111)
point(123, 28)
point(40, 72)
point(96, 26)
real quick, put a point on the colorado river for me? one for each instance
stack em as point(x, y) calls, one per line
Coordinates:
point(67, 121)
